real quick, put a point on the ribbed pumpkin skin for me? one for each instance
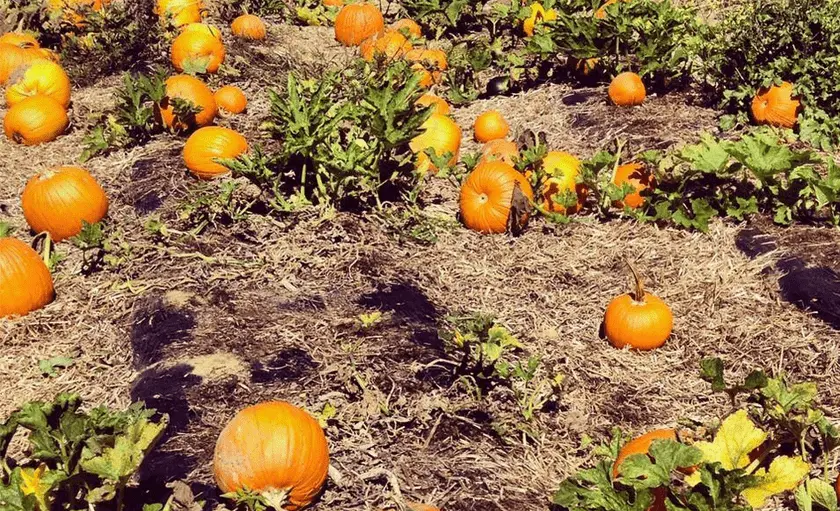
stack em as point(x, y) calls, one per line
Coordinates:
point(441, 134)
point(563, 169)
point(639, 177)
point(490, 125)
point(273, 446)
point(191, 89)
point(643, 325)
point(197, 47)
point(430, 64)
point(408, 27)
point(438, 104)
point(776, 106)
point(388, 45)
point(486, 196)
point(627, 89)
point(35, 120)
point(248, 26)
point(212, 142)
point(39, 77)
point(182, 12)
point(12, 57)
point(58, 200)
point(500, 150)
point(231, 99)
point(25, 282)
point(20, 40)
point(357, 22)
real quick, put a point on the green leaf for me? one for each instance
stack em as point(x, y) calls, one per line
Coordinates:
point(49, 367)
point(119, 462)
point(642, 472)
point(711, 370)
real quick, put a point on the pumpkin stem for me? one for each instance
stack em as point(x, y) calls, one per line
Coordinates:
point(639, 292)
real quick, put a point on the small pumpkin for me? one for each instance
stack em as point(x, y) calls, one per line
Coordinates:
point(180, 12)
point(776, 106)
point(638, 320)
point(248, 26)
point(203, 28)
point(438, 104)
point(58, 200)
point(601, 13)
point(538, 15)
point(490, 125)
point(627, 89)
point(209, 143)
point(231, 99)
point(357, 22)
point(408, 27)
point(39, 77)
point(487, 196)
point(636, 175)
point(193, 90)
point(441, 134)
point(20, 39)
point(562, 169)
point(429, 63)
point(197, 50)
point(500, 150)
point(387, 45)
point(275, 449)
point(12, 57)
point(25, 281)
point(35, 120)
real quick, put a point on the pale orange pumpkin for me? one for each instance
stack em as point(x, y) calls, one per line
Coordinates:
point(441, 134)
point(25, 281)
point(248, 26)
point(357, 22)
point(639, 320)
point(275, 449)
point(231, 99)
point(408, 27)
point(20, 39)
point(490, 125)
point(35, 120)
point(639, 178)
point(627, 89)
point(180, 12)
point(429, 64)
point(438, 104)
point(203, 28)
point(487, 196)
point(12, 57)
point(776, 106)
point(387, 45)
point(333, 3)
point(58, 200)
point(562, 169)
point(209, 143)
point(197, 49)
point(500, 150)
point(191, 89)
point(39, 77)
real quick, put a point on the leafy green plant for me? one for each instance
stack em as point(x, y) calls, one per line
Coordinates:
point(50, 366)
point(215, 202)
point(100, 244)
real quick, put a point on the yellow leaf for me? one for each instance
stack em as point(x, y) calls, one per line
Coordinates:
point(785, 474)
point(735, 439)
point(31, 477)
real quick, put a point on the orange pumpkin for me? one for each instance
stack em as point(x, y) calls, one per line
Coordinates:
point(501, 150)
point(231, 99)
point(58, 200)
point(197, 49)
point(39, 77)
point(203, 28)
point(180, 12)
point(12, 57)
point(20, 39)
point(387, 45)
point(601, 13)
point(209, 143)
point(438, 104)
point(275, 449)
point(248, 26)
point(562, 169)
point(441, 134)
point(35, 120)
point(641, 445)
point(639, 320)
point(490, 125)
point(776, 106)
point(191, 89)
point(429, 64)
point(487, 195)
point(538, 15)
point(25, 281)
point(627, 89)
point(333, 3)
point(357, 22)
point(639, 178)
point(408, 27)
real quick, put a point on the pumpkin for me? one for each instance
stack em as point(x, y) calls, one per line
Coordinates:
point(20, 40)
point(357, 22)
point(197, 49)
point(641, 445)
point(601, 13)
point(636, 175)
point(181, 12)
point(73, 10)
point(538, 15)
point(627, 89)
point(490, 126)
point(429, 64)
point(387, 45)
point(501, 150)
point(25, 281)
point(438, 104)
point(562, 169)
point(12, 57)
point(209, 143)
point(441, 134)
point(203, 28)
point(35, 120)
point(231, 99)
point(408, 27)
point(39, 77)
point(191, 89)
point(333, 3)
point(639, 320)
point(487, 197)
point(275, 449)
point(58, 200)
point(248, 26)
point(776, 106)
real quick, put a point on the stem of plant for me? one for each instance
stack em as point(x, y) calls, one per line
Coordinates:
point(639, 290)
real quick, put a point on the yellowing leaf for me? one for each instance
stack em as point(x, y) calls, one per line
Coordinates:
point(785, 474)
point(737, 436)
point(31, 484)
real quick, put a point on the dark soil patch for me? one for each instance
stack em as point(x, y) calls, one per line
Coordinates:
point(288, 365)
point(156, 325)
point(148, 189)
point(404, 299)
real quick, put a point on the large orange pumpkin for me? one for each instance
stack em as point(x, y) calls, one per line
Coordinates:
point(231, 99)
point(408, 27)
point(429, 64)
point(438, 104)
point(490, 125)
point(562, 169)
point(248, 26)
point(20, 40)
point(58, 200)
point(441, 134)
point(275, 449)
point(357, 22)
point(35, 120)
point(198, 49)
point(636, 175)
point(501, 150)
point(203, 28)
point(627, 89)
point(387, 45)
point(181, 12)
point(209, 143)
point(39, 77)
point(638, 320)
point(25, 281)
point(191, 89)
point(487, 195)
point(776, 106)
point(12, 57)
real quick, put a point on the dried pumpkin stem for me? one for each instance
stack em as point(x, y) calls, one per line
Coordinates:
point(640, 287)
